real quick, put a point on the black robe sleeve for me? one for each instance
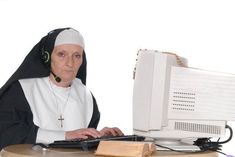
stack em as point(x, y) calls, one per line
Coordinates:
point(16, 119)
point(95, 116)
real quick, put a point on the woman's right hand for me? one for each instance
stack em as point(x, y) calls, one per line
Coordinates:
point(82, 133)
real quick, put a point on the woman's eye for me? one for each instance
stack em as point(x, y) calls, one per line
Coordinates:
point(61, 54)
point(78, 56)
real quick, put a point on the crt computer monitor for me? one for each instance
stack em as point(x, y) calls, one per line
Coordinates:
point(171, 102)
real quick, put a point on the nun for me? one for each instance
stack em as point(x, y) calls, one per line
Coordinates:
point(46, 99)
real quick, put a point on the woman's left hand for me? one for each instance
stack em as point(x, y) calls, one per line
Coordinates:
point(106, 131)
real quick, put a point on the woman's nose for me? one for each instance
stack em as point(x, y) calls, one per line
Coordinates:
point(70, 61)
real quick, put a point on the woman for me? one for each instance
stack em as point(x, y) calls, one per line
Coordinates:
point(46, 98)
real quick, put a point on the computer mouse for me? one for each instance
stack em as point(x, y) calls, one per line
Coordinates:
point(39, 147)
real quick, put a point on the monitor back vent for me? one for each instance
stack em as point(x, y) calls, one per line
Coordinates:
point(194, 127)
point(183, 101)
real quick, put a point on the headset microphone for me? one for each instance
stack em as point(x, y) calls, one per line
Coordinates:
point(57, 78)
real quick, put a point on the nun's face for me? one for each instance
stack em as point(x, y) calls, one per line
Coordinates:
point(66, 60)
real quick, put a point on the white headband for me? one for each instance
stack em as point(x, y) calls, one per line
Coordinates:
point(69, 36)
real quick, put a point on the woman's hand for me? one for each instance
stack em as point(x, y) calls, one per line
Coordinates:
point(85, 133)
point(82, 133)
point(106, 131)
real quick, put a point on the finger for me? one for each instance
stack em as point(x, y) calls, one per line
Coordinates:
point(81, 136)
point(113, 132)
point(74, 134)
point(92, 132)
point(105, 131)
point(118, 131)
point(110, 131)
point(95, 132)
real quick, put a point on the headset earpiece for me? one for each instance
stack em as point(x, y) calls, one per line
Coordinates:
point(45, 56)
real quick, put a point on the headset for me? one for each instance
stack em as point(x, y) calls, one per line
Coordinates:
point(45, 54)
point(46, 58)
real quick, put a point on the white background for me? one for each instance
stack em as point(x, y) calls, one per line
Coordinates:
point(203, 31)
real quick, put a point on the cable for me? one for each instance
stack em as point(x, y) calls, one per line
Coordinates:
point(205, 144)
point(230, 137)
point(181, 151)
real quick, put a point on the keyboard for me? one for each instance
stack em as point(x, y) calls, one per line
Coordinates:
point(92, 143)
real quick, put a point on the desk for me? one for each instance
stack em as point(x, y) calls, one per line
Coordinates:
point(25, 150)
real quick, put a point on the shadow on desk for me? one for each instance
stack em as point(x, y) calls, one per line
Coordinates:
point(25, 150)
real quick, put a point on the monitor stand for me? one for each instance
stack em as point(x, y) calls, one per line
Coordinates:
point(175, 144)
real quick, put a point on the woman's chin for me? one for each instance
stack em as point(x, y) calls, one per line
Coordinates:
point(68, 79)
